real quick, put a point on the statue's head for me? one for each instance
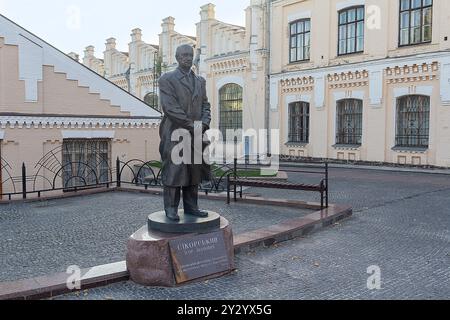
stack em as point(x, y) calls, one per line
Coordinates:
point(185, 56)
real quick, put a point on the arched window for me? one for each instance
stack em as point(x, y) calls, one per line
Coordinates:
point(351, 30)
point(299, 122)
point(349, 121)
point(413, 121)
point(152, 100)
point(230, 103)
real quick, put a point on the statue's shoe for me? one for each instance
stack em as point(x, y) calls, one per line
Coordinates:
point(198, 213)
point(173, 216)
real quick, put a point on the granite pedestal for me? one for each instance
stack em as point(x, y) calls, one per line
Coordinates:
point(151, 260)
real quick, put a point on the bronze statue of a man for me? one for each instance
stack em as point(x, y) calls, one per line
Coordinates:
point(185, 106)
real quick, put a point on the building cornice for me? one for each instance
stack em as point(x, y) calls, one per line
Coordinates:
point(228, 56)
point(58, 122)
point(368, 64)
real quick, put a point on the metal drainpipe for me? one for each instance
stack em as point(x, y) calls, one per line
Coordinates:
point(268, 26)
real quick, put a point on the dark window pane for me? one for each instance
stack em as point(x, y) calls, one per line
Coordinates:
point(404, 37)
point(360, 44)
point(307, 39)
point(404, 5)
point(360, 29)
point(404, 20)
point(342, 32)
point(343, 17)
point(360, 14)
point(307, 25)
point(427, 16)
point(351, 45)
point(293, 54)
point(293, 42)
point(307, 53)
point(415, 18)
point(342, 47)
point(351, 15)
point(416, 4)
point(415, 35)
point(293, 28)
point(426, 33)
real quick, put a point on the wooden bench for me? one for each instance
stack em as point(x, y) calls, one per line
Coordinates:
point(234, 181)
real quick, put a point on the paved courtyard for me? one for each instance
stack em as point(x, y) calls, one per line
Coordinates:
point(43, 238)
point(401, 224)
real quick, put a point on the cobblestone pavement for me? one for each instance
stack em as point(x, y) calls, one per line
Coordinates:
point(400, 224)
point(43, 238)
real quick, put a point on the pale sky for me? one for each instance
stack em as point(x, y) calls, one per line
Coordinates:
point(72, 25)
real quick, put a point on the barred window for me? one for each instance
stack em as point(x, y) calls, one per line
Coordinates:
point(299, 122)
point(413, 121)
point(349, 121)
point(85, 162)
point(351, 30)
point(416, 18)
point(300, 40)
point(230, 102)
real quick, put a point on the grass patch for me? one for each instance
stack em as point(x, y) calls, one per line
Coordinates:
point(250, 173)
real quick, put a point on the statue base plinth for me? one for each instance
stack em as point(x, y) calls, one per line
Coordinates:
point(187, 224)
point(156, 258)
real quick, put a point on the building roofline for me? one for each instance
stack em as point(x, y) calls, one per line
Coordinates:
point(49, 115)
point(90, 70)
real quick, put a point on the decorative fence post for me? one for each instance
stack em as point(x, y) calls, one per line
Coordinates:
point(118, 172)
point(24, 181)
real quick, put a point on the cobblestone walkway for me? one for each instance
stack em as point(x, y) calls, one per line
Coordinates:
point(401, 224)
point(43, 238)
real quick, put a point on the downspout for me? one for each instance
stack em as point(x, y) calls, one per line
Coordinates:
point(268, 67)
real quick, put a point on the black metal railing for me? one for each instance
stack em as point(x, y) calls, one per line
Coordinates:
point(135, 172)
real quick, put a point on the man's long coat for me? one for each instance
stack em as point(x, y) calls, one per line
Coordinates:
point(183, 102)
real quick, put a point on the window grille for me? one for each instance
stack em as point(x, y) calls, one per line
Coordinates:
point(85, 162)
point(349, 122)
point(413, 121)
point(299, 122)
